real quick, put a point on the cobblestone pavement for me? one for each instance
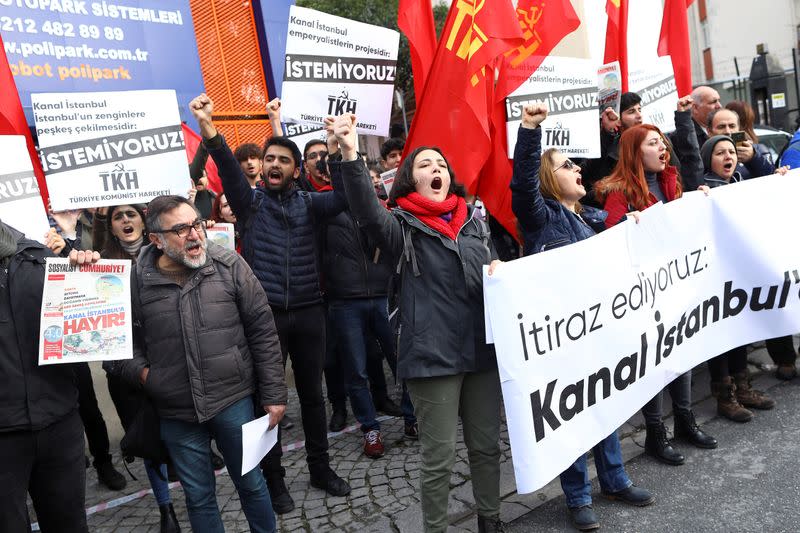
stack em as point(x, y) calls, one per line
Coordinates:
point(385, 494)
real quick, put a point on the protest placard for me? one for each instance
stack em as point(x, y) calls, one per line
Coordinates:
point(649, 75)
point(222, 234)
point(609, 86)
point(86, 312)
point(335, 66)
point(656, 86)
point(579, 355)
point(20, 202)
point(110, 148)
point(387, 180)
point(303, 133)
point(568, 86)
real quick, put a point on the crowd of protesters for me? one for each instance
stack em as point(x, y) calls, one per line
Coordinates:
point(335, 274)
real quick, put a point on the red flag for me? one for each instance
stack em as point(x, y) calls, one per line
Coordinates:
point(12, 120)
point(544, 24)
point(192, 141)
point(415, 20)
point(674, 41)
point(617, 37)
point(495, 177)
point(453, 113)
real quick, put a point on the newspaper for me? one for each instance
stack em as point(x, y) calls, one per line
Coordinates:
point(86, 312)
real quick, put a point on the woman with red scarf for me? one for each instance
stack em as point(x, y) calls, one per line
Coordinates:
point(440, 250)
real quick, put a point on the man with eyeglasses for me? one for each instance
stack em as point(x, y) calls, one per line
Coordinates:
point(279, 226)
point(204, 344)
point(315, 178)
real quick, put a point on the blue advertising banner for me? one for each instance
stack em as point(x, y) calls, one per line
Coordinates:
point(56, 46)
point(272, 20)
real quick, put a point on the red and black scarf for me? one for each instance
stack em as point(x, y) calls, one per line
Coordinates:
point(431, 213)
point(319, 188)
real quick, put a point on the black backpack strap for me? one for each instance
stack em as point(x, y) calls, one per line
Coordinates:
point(408, 255)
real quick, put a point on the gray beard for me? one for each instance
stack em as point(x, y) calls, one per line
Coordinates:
point(178, 255)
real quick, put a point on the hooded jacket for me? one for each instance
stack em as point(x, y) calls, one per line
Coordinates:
point(442, 330)
point(207, 344)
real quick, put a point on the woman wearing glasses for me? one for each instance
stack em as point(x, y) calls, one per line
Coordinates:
point(124, 226)
point(644, 176)
point(545, 196)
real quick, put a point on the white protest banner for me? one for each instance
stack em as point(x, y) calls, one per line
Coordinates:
point(336, 65)
point(609, 86)
point(110, 148)
point(579, 355)
point(649, 75)
point(86, 312)
point(20, 202)
point(568, 86)
point(222, 234)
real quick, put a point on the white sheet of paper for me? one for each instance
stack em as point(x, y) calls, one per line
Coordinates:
point(257, 440)
point(487, 318)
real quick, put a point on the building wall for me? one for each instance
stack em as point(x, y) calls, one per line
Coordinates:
point(733, 28)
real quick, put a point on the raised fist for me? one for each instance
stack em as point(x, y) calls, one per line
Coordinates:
point(685, 103)
point(202, 107)
point(533, 115)
point(274, 109)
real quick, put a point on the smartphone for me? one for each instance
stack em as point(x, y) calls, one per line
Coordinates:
point(738, 137)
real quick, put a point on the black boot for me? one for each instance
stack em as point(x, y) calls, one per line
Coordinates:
point(110, 477)
point(490, 524)
point(686, 428)
point(169, 522)
point(282, 501)
point(338, 418)
point(658, 445)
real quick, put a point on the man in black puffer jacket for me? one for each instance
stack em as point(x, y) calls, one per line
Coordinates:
point(41, 434)
point(278, 226)
point(357, 276)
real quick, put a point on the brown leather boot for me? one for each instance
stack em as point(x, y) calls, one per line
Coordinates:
point(727, 405)
point(748, 396)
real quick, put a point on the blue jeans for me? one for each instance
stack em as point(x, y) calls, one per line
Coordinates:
point(357, 322)
point(189, 447)
point(610, 472)
point(160, 485)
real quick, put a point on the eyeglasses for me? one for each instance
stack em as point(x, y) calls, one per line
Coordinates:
point(311, 156)
point(568, 164)
point(183, 230)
